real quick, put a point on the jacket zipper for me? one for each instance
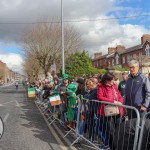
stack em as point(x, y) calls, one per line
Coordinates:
point(131, 90)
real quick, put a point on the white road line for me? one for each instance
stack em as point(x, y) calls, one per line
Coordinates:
point(17, 104)
point(6, 103)
point(6, 117)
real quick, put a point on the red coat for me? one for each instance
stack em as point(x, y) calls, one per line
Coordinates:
point(106, 93)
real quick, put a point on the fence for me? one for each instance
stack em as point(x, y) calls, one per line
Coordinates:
point(144, 138)
point(106, 132)
point(119, 133)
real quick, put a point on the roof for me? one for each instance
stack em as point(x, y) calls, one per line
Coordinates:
point(100, 57)
point(134, 48)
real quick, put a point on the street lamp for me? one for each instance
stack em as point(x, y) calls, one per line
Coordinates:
point(62, 38)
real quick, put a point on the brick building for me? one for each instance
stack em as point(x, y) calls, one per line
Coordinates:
point(6, 74)
point(119, 56)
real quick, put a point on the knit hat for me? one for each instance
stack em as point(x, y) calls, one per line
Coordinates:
point(71, 88)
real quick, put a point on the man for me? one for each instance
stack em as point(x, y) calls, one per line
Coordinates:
point(137, 91)
point(81, 87)
point(122, 84)
point(62, 90)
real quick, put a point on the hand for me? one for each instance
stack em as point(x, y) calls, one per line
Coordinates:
point(143, 109)
point(117, 102)
point(62, 93)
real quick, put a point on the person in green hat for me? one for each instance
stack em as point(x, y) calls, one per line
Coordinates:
point(61, 90)
point(71, 103)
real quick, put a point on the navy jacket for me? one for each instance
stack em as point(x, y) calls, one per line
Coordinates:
point(137, 91)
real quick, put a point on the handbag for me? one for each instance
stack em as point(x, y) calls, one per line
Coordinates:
point(111, 110)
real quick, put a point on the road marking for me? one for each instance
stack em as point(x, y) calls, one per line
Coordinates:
point(17, 104)
point(6, 103)
point(6, 117)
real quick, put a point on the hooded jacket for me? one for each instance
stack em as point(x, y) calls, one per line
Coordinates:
point(137, 91)
point(106, 93)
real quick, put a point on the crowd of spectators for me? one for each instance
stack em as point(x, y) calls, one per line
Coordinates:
point(133, 90)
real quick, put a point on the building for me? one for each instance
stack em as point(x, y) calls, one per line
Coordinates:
point(6, 75)
point(119, 56)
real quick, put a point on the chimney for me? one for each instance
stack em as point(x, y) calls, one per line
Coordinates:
point(97, 55)
point(144, 38)
point(111, 50)
point(120, 47)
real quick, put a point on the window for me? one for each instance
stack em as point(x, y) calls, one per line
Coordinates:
point(134, 56)
point(128, 58)
point(123, 60)
point(117, 59)
point(140, 54)
point(109, 63)
point(112, 62)
point(147, 50)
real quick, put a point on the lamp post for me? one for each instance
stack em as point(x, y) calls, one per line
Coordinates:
point(62, 38)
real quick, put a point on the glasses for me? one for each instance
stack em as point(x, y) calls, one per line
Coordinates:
point(133, 67)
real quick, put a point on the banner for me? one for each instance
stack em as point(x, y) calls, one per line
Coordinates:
point(31, 92)
point(55, 100)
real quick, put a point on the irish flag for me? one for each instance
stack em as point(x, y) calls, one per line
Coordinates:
point(31, 92)
point(55, 100)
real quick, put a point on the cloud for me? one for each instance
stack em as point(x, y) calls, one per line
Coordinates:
point(97, 35)
point(13, 61)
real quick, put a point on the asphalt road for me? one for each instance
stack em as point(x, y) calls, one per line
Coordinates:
point(25, 128)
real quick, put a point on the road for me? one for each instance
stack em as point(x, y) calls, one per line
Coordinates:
point(25, 128)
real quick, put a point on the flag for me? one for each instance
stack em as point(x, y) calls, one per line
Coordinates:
point(55, 100)
point(31, 92)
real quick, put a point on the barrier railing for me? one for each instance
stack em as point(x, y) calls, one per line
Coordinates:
point(90, 124)
point(144, 141)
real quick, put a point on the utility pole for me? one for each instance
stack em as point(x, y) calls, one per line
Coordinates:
point(62, 38)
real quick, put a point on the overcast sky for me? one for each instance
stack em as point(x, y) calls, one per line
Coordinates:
point(97, 35)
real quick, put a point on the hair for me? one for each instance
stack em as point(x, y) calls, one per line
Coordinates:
point(107, 77)
point(133, 62)
point(125, 73)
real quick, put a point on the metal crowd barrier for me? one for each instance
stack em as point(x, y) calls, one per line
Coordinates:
point(144, 138)
point(86, 130)
point(92, 131)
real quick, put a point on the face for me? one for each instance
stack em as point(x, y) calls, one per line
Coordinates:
point(55, 81)
point(90, 85)
point(65, 81)
point(110, 82)
point(134, 69)
point(125, 77)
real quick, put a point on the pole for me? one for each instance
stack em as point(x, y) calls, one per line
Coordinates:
point(62, 38)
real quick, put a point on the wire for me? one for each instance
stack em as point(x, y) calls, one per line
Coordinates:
point(77, 21)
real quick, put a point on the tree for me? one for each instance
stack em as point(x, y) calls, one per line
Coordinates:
point(31, 67)
point(43, 43)
point(79, 64)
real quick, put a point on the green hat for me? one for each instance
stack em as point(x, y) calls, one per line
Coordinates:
point(65, 76)
point(71, 88)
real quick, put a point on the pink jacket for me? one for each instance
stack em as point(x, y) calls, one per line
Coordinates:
point(106, 93)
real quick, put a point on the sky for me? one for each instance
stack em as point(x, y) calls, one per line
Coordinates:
point(98, 33)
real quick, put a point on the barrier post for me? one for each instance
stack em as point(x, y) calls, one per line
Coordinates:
point(142, 130)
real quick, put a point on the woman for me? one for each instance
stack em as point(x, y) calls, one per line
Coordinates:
point(91, 85)
point(108, 91)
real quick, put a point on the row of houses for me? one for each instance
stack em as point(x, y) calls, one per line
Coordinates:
point(8, 75)
point(119, 56)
